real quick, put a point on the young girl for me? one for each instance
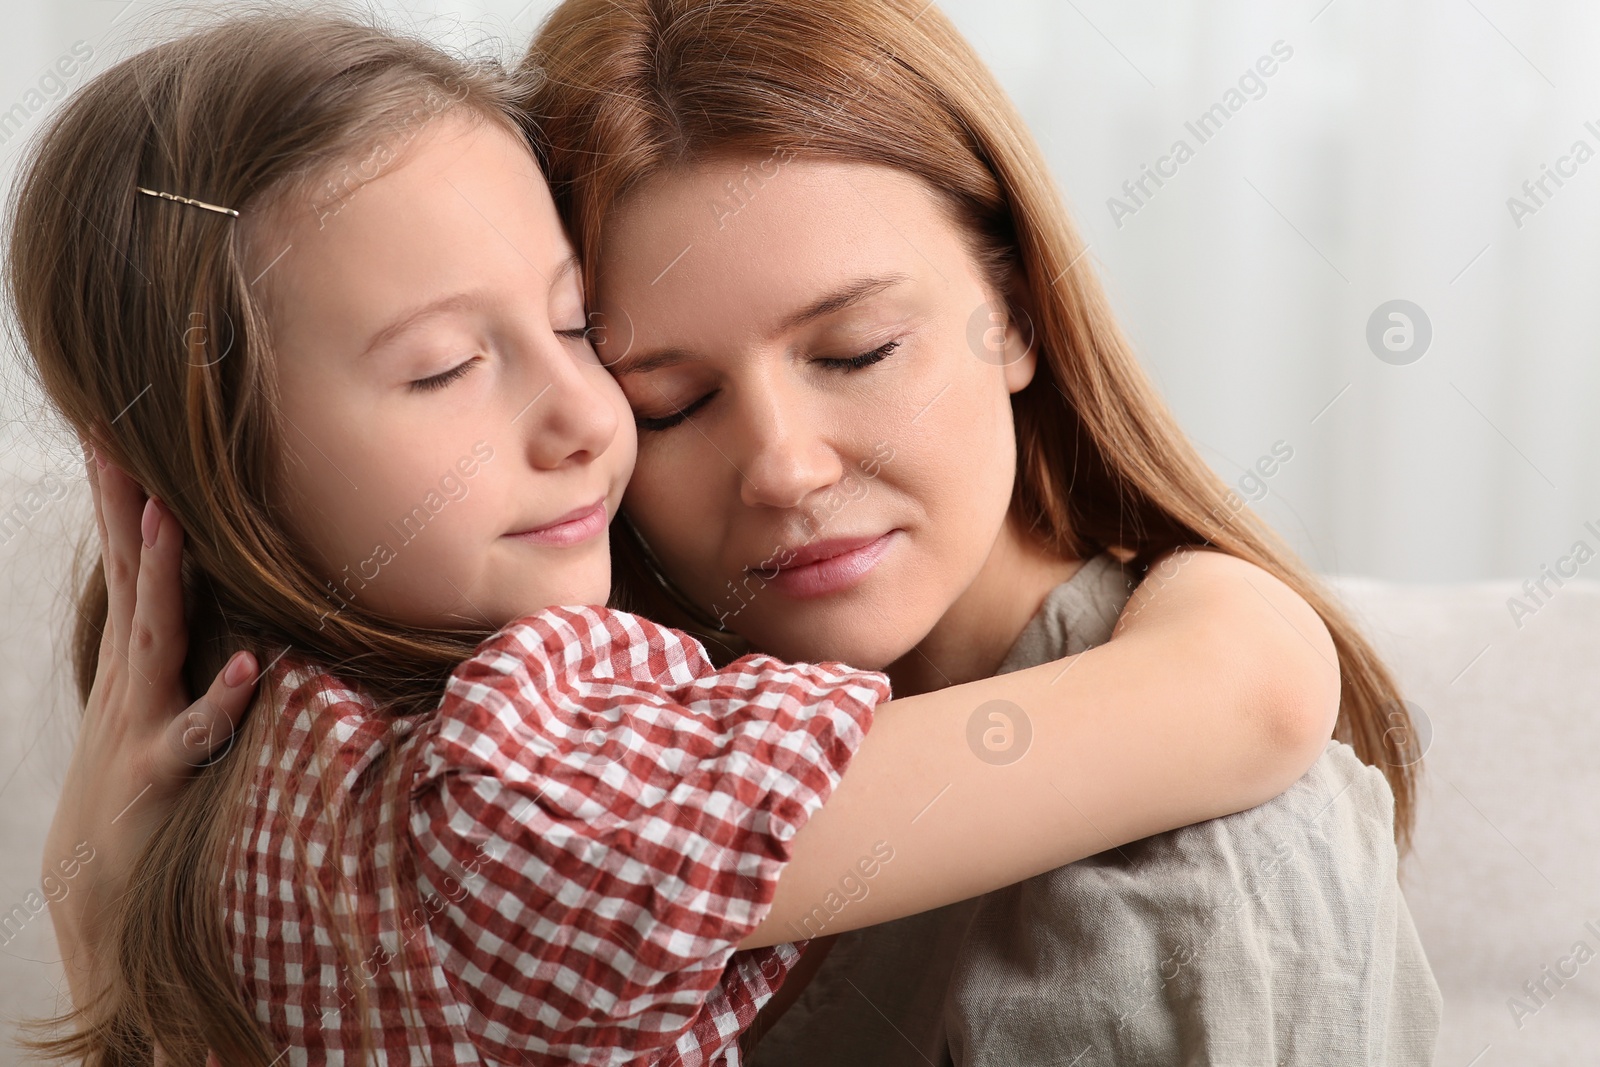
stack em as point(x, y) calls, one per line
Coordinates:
point(303, 281)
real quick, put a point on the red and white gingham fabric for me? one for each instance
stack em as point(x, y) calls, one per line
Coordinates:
point(593, 819)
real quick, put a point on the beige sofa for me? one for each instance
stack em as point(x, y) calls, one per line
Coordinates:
point(1505, 880)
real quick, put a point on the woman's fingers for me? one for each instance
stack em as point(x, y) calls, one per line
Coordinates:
point(205, 731)
point(158, 638)
point(142, 549)
point(121, 505)
point(108, 644)
point(90, 467)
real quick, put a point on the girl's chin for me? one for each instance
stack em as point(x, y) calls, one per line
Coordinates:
point(536, 597)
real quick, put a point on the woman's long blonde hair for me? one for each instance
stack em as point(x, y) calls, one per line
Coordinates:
point(148, 335)
point(634, 88)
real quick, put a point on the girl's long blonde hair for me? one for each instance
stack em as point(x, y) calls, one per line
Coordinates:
point(148, 334)
point(634, 88)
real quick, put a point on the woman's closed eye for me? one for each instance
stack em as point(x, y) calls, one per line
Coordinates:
point(652, 423)
point(656, 423)
point(866, 359)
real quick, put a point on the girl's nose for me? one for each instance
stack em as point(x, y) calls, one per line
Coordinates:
point(573, 420)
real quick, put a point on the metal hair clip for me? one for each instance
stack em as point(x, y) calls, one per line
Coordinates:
point(185, 200)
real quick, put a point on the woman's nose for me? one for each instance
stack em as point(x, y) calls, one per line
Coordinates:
point(786, 459)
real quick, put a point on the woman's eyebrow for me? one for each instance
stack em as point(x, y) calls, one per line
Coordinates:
point(566, 267)
point(631, 363)
point(845, 296)
point(851, 293)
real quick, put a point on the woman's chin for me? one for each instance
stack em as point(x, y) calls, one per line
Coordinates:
point(863, 640)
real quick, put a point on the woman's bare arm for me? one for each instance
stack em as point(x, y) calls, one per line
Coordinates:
point(1219, 689)
point(140, 738)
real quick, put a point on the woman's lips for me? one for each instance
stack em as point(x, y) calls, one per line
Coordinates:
point(571, 529)
point(828, 566)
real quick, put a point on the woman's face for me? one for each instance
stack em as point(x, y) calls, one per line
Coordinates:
point(821, 378)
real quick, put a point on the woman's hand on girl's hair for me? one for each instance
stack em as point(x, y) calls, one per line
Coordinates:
point(141, 737)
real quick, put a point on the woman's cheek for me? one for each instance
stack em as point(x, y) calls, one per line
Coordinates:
point(966, 465)
point(671, 506)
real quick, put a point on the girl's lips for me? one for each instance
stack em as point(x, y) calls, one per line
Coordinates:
point(830, 573)
point(570, 529)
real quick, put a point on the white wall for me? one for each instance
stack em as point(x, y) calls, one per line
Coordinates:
point(1376, 166)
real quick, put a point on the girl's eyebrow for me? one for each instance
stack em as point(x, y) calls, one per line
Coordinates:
point(411, 319)
point(466, 301)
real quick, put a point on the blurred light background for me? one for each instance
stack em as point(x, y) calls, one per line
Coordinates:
point(1376, 163)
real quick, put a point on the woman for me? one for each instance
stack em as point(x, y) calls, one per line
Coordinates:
point(797, 526)
point(813, 230)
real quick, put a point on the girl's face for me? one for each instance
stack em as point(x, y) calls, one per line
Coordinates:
point(822, 381)
point(453, 448)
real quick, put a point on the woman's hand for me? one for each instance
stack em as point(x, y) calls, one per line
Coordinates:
point(141, 738)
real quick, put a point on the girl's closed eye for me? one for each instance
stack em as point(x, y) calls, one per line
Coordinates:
point(580, 333)
point(439, 381)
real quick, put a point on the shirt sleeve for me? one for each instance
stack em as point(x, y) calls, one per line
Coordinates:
point(602, 816)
